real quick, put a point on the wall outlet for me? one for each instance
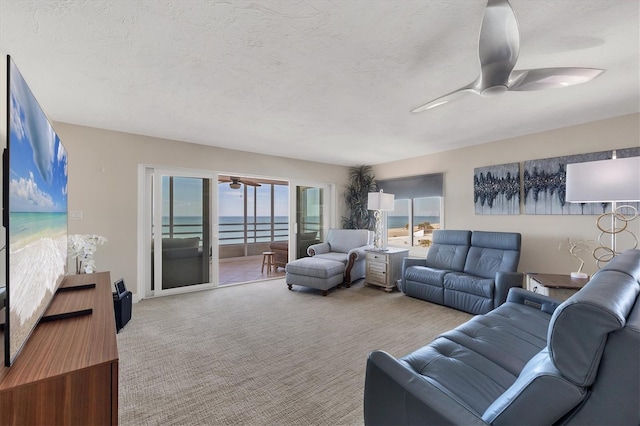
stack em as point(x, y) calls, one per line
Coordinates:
point(75, 215)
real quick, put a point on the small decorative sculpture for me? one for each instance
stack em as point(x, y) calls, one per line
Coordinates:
point(575, 248)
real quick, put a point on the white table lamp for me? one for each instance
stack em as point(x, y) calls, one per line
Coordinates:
point(607, 181)
point(379, 202)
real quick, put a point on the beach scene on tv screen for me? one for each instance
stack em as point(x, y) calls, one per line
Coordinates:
point(37, 211)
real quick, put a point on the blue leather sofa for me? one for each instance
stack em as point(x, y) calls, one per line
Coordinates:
point(531, 361)
point(468, 271)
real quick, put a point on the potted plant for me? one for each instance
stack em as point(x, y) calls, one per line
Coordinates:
point(361, 182)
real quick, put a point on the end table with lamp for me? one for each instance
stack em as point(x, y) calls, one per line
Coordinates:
point(384, 268)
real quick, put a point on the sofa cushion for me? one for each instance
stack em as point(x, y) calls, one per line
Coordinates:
point(491, 252)
point(468, 293)
point(449, 249)
point(500, 340)
point(485, 262)
point(462, 373)
point(467, 302)
point(333, 255)
point(420, 290)
point(469, 284)
point(425, 275)
point(580, 326)
point(343, 240)
point(532, 321)
point(315, 267)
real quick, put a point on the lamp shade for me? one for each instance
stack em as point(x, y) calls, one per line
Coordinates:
point(604, 181)
point(380, 201)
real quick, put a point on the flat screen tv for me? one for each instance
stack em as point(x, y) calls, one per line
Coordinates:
point(35, 213)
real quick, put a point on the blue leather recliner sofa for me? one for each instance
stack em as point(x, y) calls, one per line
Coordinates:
point(468, 271)
point(531, 361)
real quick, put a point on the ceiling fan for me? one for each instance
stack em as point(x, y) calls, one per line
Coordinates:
point(498, 50)
point(236, 182)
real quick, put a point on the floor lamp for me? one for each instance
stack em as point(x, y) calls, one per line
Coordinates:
point(607, 181)
point(379, 202)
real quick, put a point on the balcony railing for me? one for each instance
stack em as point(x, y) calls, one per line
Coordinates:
point(233, 233)
point(254, 232)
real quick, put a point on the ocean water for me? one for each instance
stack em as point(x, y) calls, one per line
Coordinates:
point(231, 228)
point(25, 228)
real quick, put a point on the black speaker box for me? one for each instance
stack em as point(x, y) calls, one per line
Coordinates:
point(122, 308)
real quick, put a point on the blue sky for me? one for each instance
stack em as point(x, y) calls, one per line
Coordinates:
point(232, 202)
point(38, 161)
point(188, 199)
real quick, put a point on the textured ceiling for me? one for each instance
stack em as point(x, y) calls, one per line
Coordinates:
point(328, 81)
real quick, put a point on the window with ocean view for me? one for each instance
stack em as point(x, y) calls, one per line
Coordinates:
point(417, 211)
point(421, 215)
point(253, 213)
point(185, 238)
point(182, 207)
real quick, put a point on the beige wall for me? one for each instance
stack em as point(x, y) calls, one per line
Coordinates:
point(103, 180)
point(541, 234)
point(103, 183)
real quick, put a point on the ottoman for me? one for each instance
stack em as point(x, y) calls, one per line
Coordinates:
point(314, 272)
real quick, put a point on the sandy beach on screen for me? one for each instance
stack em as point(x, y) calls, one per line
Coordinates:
point(34, 270)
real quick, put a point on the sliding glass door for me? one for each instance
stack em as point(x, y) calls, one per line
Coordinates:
point(312, 215)
point(181, 231)
point(191, 221)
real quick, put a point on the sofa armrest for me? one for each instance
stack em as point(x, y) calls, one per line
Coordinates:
point(534, 300)
point(319, 248)
point(407, 262)
point(396, 394)
point(412, 261)
point(359, 253)
point(505, 281)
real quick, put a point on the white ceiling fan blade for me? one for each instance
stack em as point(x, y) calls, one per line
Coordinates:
point(499, 44)
point(550, 78)
point(447, 98)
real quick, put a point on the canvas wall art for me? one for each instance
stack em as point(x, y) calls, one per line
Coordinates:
point(545, 186)
point(496, 189)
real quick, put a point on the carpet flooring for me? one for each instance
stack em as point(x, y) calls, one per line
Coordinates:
point(259, 354)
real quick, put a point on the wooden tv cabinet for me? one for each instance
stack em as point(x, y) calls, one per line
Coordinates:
point(67, 372)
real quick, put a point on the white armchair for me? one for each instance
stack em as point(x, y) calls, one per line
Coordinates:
point(347, 246)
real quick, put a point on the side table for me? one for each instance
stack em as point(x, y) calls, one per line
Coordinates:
point(384, 268)
point(558, 286)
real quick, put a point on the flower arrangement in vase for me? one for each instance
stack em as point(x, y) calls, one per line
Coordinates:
point(83, 249)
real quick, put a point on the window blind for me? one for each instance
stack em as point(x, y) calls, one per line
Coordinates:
point(413, 186)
